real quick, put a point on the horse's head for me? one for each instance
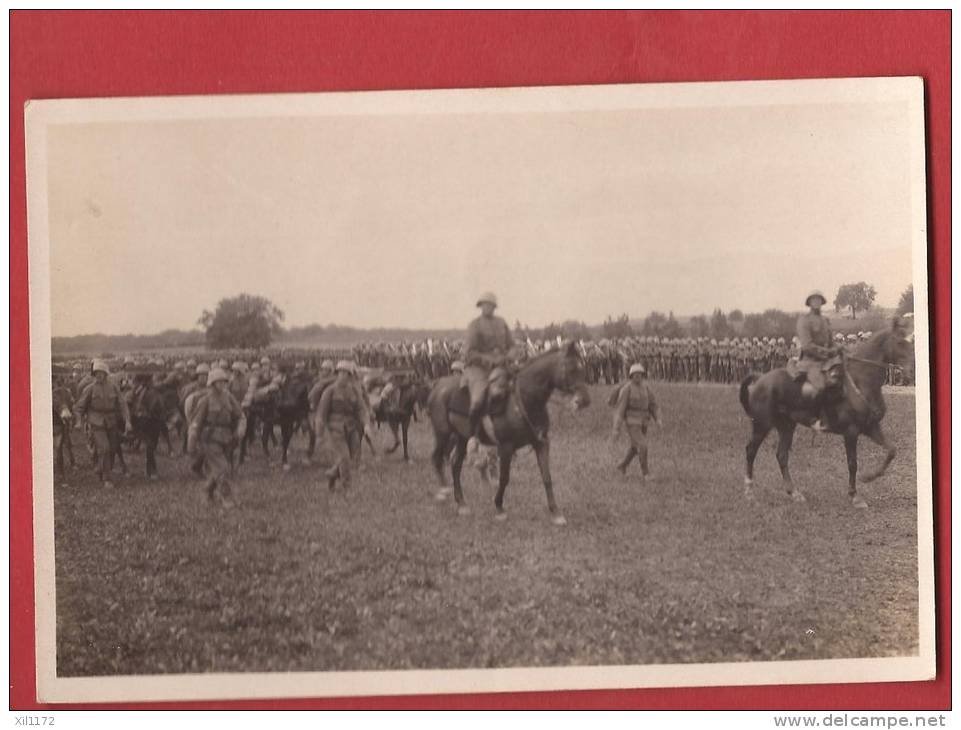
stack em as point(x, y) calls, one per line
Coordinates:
point(569, 375)
point(892, 345)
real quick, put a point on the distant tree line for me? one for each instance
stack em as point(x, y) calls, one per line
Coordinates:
point(251, 322)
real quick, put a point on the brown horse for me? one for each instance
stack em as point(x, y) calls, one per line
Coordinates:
point(855, 406)
point(523, 421)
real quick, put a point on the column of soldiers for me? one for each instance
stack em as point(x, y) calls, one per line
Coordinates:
point(703, 359)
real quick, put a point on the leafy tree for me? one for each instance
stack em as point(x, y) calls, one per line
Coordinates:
point(719, 326)
point(620, 327)
point(906, 303)
point(735, 316)
point(654, 324)
point(574, 330)
point(754, 325)
point(857, 297)
point(778, 323)
point(699, 326)
point(672, 328)
point(242, 322)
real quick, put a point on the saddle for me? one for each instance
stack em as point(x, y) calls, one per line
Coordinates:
point(495, 403)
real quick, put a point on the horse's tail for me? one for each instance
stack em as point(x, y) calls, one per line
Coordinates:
point(744, 392)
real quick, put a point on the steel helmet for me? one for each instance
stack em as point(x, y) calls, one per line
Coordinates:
point(457, 366)
point(191, 363)
point(203, 368)
point(129, 361)
point(487, 296)
point(815, 293)
point(327, 365)
point(346, 365)
point(180, 365)
point(239, 366)
point(852, 337)
point(265, 360)
point(637, 368)
point(216, 375)
point(99, 366)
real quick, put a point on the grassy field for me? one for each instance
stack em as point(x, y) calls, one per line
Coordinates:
point(683, 569)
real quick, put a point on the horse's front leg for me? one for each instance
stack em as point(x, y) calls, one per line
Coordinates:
point(457, 463)
point(404, 426)
point(543, 451)
point(877, 436)
point(286, 434)
point(851, 449)
point(393, 432)
point(785, 434)
point(505, 455)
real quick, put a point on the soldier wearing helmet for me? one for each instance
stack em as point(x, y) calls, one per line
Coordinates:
point(102, 406)
point(341, 414)
point(635, 407)
point(239, 383)
point(489, 342)
point(213, 430)
point(814, 335)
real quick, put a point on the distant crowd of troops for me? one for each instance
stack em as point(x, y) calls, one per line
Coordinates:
point(683, 360)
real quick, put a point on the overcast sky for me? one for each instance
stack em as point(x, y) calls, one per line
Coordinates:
point(403, 220)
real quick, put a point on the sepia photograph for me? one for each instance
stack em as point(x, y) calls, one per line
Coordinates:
point(480, 390)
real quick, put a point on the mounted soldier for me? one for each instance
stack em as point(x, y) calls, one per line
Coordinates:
point(817, 352)
point(489, 343)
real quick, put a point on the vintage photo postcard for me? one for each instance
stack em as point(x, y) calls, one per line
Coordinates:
point(480, 390)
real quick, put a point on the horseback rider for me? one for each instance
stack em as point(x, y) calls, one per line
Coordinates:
point(817, 347)
point(489, 342)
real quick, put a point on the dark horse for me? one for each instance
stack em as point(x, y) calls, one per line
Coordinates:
point(398, 409)
point(855, 407)
point(292, 409)
point(523, 422)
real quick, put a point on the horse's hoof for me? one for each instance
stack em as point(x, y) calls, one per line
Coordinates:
point(748, 492)
point(868, 478)
point(501, 517)
point(286, 467)
point(798, 497)
point(463, 510)
point(858, 501)
point(748, 482)
point(559, 520)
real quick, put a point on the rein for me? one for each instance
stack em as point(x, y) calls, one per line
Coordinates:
point(847, 376)
point(523, 411)
point(876, 363)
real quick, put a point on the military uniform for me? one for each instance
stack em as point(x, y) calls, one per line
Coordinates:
point(488, 342)
point(814, 335)
point(341, 411)
point(214, 422)
point(103, 406)
point(635, 408)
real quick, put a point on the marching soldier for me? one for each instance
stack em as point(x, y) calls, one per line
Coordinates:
point(341, 413)
point(213, 431)
point(636, 406)
point(102, 406)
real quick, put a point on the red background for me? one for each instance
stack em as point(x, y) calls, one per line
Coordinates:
point(84, 54)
